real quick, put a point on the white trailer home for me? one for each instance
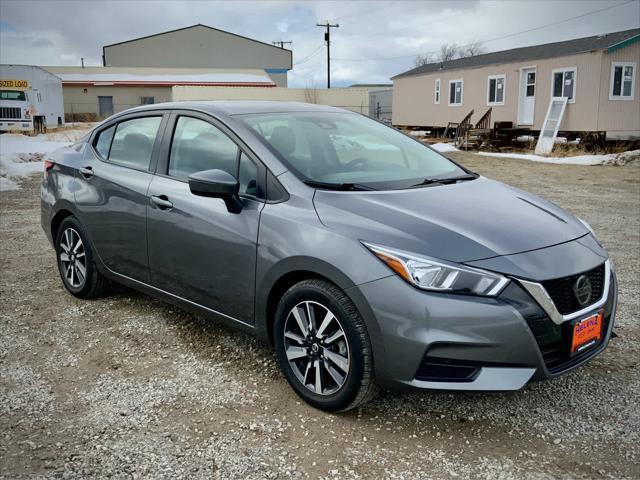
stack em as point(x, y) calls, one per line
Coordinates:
point(596, 74)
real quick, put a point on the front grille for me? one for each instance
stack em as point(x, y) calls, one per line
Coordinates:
point(555, 343)
point(561, 290)
point(555, 340)
point(10, 112)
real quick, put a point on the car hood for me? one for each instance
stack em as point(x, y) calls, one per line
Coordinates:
point(461, 222)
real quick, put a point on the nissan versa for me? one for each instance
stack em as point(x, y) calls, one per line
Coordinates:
point(365, 257)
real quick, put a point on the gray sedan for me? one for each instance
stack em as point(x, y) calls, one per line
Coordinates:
point(365, 257)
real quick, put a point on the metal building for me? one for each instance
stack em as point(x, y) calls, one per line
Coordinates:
point(200, 46)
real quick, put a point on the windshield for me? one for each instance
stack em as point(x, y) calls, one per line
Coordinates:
point(344, 148)
point(13, 95)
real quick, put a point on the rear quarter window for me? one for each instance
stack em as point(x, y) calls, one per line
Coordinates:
point(102, 143)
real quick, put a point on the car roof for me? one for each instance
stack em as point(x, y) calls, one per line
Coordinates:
point(240, 107)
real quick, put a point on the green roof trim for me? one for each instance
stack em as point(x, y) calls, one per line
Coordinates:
point(624, 43)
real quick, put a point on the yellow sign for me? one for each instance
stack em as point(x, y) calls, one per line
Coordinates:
point(14, 84)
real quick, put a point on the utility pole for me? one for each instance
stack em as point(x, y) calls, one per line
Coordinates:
point(327, 38)
point(281, 43)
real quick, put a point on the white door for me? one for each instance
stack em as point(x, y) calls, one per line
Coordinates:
point(527, 96)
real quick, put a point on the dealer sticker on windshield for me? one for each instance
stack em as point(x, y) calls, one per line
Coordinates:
point(587, 333)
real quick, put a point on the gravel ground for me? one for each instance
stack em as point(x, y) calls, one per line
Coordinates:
point(128, 387)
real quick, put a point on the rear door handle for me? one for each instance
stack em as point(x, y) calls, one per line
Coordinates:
point(86, 172)
point(161, 201)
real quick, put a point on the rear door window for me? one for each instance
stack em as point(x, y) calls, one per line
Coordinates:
point(198, 145)
point(133, 141)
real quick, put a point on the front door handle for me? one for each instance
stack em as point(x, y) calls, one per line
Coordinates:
point(161, 201)
point(86, 172)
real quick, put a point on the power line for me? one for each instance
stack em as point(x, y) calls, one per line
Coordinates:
point(311, 65)
point(493, 39)
point(360, 14)
point(327, 39)
point(308, 57)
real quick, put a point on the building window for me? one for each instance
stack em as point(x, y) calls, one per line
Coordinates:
point(147, 100)
point(437, 92)
point(623, 80)
point(564, 84)
point(456, 92)
point(495, 89)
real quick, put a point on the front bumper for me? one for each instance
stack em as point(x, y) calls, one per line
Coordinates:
point(16, 125)
point(452, 342)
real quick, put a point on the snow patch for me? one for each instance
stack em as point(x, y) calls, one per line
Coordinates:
point(21, 155)
point(419, 133)
point(444, 147)
point(609, 159)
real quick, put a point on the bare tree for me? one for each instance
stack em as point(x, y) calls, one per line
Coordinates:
point(448, 52)
point(471, 50)
point(311, 93)
point(423, 59)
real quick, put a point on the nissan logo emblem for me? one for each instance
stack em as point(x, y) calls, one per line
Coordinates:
point(583, 291)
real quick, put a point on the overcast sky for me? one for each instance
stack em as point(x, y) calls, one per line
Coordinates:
point(376, 39)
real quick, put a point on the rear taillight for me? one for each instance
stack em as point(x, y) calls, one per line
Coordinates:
point(48, 165)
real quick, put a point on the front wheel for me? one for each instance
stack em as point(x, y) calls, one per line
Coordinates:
point(323, 346)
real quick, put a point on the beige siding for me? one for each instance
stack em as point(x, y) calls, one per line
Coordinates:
point(620, 118)
point(77, 100)
point(413, 100)
point(198, 46)
point(355, 99)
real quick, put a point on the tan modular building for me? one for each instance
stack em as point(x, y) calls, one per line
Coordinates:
point(597, 74)
point(200, 46)
point(92, 93)
point(354, 99)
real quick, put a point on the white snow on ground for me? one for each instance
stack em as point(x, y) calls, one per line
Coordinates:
point(21, 155)
point(444, 147)
point(609, 159)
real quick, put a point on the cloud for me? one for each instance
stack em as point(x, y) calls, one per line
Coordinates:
point(41, 42)
point(283, 26)
point(61, 32)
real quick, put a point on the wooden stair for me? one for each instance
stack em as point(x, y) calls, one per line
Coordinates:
point(475, 136)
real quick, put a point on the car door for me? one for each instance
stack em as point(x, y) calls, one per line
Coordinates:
point(198, 250)
point(111, 195)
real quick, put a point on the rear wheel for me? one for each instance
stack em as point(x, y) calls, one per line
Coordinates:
point(323, 347)
point(76, 262)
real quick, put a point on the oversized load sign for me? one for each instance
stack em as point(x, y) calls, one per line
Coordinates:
point(11, 84)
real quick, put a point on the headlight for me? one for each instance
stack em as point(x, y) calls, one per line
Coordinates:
point(27, 114)
point(436, 275)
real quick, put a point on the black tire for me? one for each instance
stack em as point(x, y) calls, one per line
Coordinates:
point(359, 383)
point(94, 283)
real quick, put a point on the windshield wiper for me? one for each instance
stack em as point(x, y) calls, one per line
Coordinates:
point(339, 186)
point(447, 180)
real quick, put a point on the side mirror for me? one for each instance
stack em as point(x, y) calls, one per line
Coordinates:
point(217, 184)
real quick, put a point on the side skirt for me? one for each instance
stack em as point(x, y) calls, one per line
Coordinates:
point(178, 301)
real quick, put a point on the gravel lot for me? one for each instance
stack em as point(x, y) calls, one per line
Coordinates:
point(129, 387)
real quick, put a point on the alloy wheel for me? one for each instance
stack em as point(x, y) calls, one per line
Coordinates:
point(316, 347)
point(73, 258)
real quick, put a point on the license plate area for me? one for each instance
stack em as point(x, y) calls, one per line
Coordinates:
point(587, 333)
